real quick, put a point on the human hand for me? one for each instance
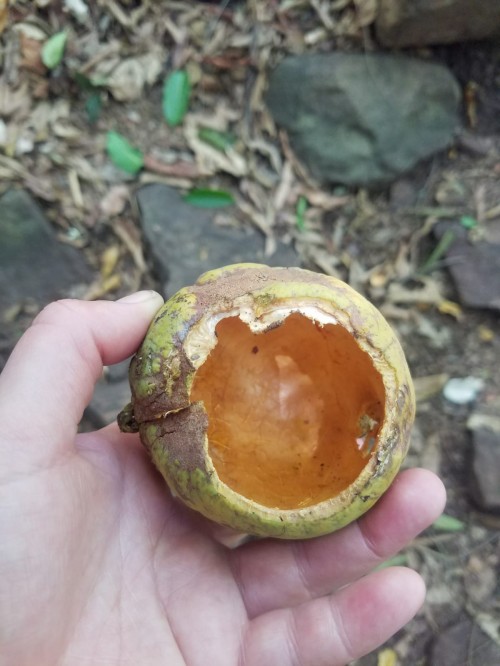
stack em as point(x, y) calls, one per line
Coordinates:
point(99, 566)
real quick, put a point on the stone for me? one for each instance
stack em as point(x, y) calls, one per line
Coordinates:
point(485, 470)
point(363, 119)
point(451, 647)
point(184, 241)
point(474, 264)
point(35, 267)
point(402, 23)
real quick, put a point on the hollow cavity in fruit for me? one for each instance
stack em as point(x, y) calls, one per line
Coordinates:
point(274, 401)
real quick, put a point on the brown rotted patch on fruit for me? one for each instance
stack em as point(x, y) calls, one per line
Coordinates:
point(245, 280)
point(182, 434)
point(165, 393)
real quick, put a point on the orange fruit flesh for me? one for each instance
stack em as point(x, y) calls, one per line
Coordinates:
point(293, 412)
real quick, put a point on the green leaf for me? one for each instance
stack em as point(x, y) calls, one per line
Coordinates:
point(93, 107)
point(468, 222)
point(205, 198)
point(448, 524)
point(396, 561)
point(53, 49)
point(300, 211)
point(176, 93)
point(218, 140)
point(123, 154)
point(441, 248)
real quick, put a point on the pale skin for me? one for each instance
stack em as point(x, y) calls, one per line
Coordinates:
point(100, 567)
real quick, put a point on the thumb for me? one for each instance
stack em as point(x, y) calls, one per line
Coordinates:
point(49, 377)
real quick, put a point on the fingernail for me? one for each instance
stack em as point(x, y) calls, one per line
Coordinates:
point(143, 297)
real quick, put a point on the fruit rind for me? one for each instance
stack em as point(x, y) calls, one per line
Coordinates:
point(174, 430)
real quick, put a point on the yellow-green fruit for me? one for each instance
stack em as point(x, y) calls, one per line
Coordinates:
point(275, 401)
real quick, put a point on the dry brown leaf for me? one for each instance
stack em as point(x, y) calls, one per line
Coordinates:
point(75, 189)
point(101, 288)
point(490, 624)
point(209, 159)
point(130, 237)
point(387, 657)
point(430, 458)
point(428, 293)
point(284, 187)
point(115, 200)
point(31, 58)
point(15, 101)
point(429, 386)
point(109, 260)
point(366, 12)
point(4, 14)
point(180, 169)
point(128, 79)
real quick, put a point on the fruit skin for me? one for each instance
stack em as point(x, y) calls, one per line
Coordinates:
point(174, 430)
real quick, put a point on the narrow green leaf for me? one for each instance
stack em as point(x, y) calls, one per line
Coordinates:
point(93, 107)
point(123, 154)
point(205, 198)
point(441, 248)
point(396, 561)
point(300, 211)
point(53, 49)
point(218, 140)
point(176, 93)
point(448, 524)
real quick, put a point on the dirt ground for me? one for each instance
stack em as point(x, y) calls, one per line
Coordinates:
point(54, 145)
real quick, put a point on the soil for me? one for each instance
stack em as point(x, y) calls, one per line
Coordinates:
point(375, 240)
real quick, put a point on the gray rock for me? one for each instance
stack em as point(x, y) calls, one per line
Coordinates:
point(185, 242)
point(452, 647)
point(402, 23)
point(363, 119)
point(35, 268)
point(474, 266)
point(485, 472)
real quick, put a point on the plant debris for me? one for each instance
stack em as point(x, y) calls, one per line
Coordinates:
point(86, 123)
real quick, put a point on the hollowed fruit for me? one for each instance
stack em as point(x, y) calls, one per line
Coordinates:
point(274, 401)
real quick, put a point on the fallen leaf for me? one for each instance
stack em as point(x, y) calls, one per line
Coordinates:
point(300, 211)
point(427, 293)
point(219, 140)
point(485, 334)
point(4, 14)
point(180, 169)
point(429, 386)
point(477, 421)
point(387, 657)
point(109, 260)
point(448, 524)
point(53, 49)
point(114, 202)
point(366, 11)
point(123, 154)
point(176, 93)
point(451, 308)
point(206, 198)
point(126, 82)
point(31, 54)
point(130, 237)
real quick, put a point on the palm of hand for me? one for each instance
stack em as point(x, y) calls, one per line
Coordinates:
point(127, 577)
point(99, 566)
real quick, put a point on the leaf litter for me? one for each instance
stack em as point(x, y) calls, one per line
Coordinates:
point(75, 73)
